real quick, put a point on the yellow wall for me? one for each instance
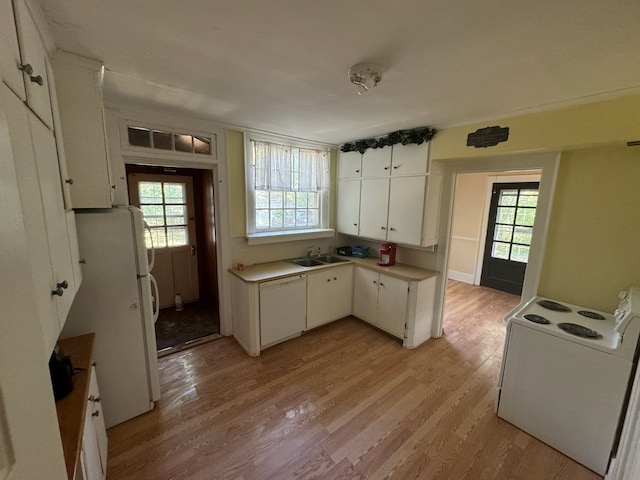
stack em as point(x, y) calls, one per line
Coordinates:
point(597, 123)
point(593, 246)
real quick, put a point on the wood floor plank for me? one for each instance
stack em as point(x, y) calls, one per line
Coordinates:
point(344, 401)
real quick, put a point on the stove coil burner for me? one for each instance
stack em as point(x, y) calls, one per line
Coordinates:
point(592, 315)
point(555, 306)
point(532, 317)
point(579, 330)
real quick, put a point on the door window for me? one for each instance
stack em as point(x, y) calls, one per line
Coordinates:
point(164, 207)
point(514, 224)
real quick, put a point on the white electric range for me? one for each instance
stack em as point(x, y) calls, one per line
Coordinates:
point(566, 373)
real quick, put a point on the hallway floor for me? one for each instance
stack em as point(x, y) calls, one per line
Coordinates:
point(197, 320)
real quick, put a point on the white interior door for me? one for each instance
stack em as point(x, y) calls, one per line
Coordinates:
point(167, 205)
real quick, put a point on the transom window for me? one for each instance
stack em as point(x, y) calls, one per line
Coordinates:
point(169, 140)
point(164, 208)
point(287, 187)
point(514, 224)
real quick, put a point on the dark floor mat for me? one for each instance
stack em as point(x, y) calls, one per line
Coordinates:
point(197, 320)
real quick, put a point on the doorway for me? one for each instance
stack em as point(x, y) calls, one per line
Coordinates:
point(177, 204)
point(509, 230)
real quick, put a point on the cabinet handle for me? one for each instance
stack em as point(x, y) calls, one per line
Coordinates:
point(375, 283)
point(328, 279)
point(96, 413)
point(82, 261)
point(381, 284)
point(37, 79)
point(93, 364)
point(64, 284)
point(57, 292)
point(392, 229)
point(115, 187)
point(26, 68)
point(386, 168)
point(357, 171)
point(335, 278)
point(94, 399)
point(396, 166)
point(383, 228)
point(355, 224)
point(69, 181)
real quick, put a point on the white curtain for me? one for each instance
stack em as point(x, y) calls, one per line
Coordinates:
point(282, 168)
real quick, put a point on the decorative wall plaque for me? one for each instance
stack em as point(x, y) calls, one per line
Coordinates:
point(488, 137)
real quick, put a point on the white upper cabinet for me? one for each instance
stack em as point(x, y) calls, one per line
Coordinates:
point(33, 63)
point(406, 209)
point(376, 162)
point(410, 159)
point(10, 52)
point(78, 82)
point(374, 206)
point(349, 165)
point(348, 206)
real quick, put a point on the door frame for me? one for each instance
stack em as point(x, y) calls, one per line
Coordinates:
point(533, 177)
point(547, 163)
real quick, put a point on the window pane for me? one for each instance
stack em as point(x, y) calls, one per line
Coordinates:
point(508, 197)
point(162, 140)
point(301, 218)
point(139, 137)
point(175, 193)
point(525, 216)
point(153, 215)
point(290, 200)
point(500, 250)
point(289, 218)
point(313, 200)
point(523, 235)
point(312, 218)
point(159, 238)
point(276, 218)
point(503, 233)
point(176, 214)
point(528, 198)
point(506, 215)
point(262, 199)
point(276, 199)
point(202, 145)
point(150, 192)
point(177, 236)
point(184, 143)
point(301, 199)
point(520, 253)
point(262, 219)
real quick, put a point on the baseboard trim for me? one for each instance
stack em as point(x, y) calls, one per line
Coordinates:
point(461, 277)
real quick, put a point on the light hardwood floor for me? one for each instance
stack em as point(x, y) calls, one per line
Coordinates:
point(342, 402)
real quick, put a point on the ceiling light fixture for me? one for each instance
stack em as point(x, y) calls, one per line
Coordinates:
point(365, 76)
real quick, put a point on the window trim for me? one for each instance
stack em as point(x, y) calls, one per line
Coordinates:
point(284, 235)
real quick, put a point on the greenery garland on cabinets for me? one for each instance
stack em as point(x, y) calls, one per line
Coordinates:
point(405, 137)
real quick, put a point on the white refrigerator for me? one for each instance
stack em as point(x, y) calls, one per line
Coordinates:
point(115, 301)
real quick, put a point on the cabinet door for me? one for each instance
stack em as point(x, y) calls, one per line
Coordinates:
point(374, 204)
point(406, 210)
point(318, 291)
point(376, 162)
point(392, 305)
point(90, 448)
point(34, 222)
point(409, 159)
point(340, 300)
point(365, 294)
point(349, 165)
point(55, 220)
point(348, 206)
point(34, 54)
point(79, 92)
point(95, 405)
point(10, 52)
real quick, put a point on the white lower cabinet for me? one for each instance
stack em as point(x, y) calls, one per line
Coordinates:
point(93, 458)
point(381, 300)
point(329, 295)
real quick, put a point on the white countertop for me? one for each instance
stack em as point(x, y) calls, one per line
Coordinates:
point(273, 270)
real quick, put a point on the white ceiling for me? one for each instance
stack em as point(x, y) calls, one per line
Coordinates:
point(281, 65)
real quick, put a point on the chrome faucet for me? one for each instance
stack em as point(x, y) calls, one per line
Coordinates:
point(310, 250)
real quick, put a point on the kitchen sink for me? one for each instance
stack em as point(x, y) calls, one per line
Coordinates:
point(317, 261)
point(330, 259)
point(307, 262)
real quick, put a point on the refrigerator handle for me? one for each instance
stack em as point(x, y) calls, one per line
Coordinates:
point(156, 295)
point(153, 249)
